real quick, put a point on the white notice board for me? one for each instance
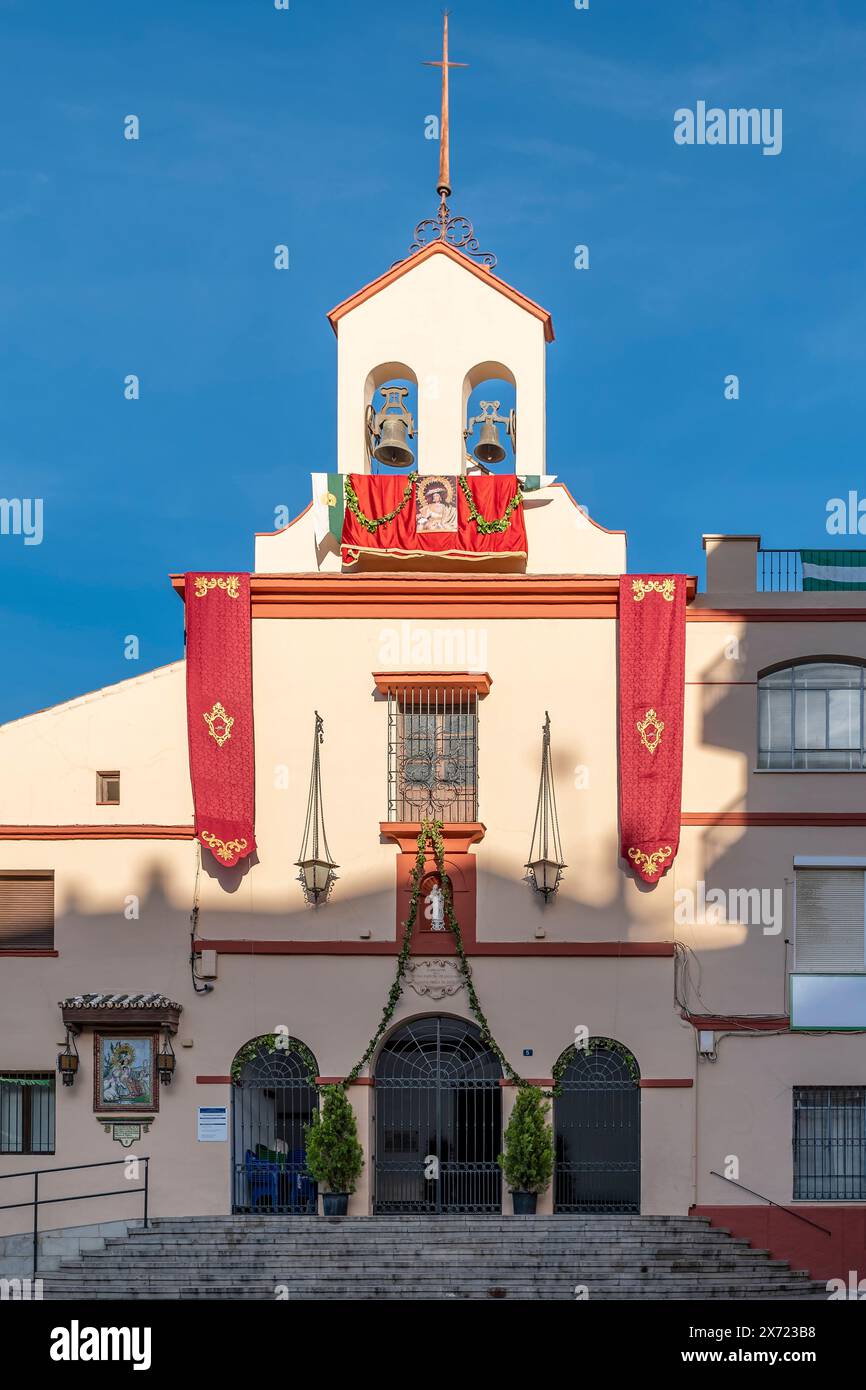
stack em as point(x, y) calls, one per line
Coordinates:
point(213, 1123)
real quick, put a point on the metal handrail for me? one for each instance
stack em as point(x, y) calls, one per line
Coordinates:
point(36, 1200)
point(789, 1210)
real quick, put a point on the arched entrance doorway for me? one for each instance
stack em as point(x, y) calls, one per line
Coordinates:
point(272, 1100)
point(596, 1121)
point(438, 1120)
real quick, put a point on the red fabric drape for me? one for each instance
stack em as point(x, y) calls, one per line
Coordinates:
point(219, 708)
point(652, 644)
point(379, 495)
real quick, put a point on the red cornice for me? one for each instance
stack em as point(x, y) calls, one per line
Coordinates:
point(415, 594)
point(457, 837)
point(441, 248)
point(673, 1082)
point(776, 615)
point(213, 1081)
point(97, 832)
point(766, 818)
point(420, 594)
point(615, 949)
point(391, 682)
point(733, 1023)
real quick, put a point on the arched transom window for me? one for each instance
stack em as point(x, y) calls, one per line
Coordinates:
point(811, 717)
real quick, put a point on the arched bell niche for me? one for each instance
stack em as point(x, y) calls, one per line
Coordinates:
point(489, 390)
point(390, 390)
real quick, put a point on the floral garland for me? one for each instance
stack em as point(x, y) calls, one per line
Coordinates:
point(372, 523)
point(431, 831)
point(484, 526)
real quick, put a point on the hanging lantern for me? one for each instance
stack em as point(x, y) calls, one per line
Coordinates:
point(166, 1062)
point(67, 1060)
point(315, 862)
point(545, 862)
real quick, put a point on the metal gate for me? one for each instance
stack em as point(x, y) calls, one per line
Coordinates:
point(597, 1129)
point(438, 1120)
point(272, 1101)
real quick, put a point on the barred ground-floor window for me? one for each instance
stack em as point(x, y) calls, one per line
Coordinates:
point(27, 1112)
point(830, 1143)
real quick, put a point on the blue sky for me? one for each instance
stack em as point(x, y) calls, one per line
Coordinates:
point(306, 127)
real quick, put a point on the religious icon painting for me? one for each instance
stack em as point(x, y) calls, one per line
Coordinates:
point(436, 504)
point(124, 1072)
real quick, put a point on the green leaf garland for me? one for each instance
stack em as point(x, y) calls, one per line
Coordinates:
point(372, 523)
point(486, 527)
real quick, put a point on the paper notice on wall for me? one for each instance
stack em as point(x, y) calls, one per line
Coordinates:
point(213, 1124)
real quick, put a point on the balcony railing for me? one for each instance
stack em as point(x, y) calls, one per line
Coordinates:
point(811, 571)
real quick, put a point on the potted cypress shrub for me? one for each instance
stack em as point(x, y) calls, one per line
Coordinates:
point(527, 1161)
point(334, 1156)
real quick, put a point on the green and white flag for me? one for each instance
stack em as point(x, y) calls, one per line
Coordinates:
point(329, 504)
point(833, 569)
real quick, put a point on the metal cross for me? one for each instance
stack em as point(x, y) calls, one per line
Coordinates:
point(444, 186)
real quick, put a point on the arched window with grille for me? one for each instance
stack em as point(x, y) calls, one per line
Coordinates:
point(811, 716)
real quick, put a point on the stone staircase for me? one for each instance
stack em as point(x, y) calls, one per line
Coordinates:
point(429, 1257)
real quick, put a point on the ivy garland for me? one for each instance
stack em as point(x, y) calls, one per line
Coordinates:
point(372, 523)
point(486, 527)
point(431, 832)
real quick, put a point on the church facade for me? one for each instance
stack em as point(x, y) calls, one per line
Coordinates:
point(703, 1027)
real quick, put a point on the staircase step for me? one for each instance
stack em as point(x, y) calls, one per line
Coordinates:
point(428, 1258)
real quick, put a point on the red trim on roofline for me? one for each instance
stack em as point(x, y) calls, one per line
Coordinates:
point(287, 525)
point(441, 248)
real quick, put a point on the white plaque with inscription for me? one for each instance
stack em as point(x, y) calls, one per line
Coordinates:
point(437, 979)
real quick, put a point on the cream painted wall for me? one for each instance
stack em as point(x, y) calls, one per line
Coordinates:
point(744, 1100)
point(49, 760)
point(441, 321)
point(745, 1107)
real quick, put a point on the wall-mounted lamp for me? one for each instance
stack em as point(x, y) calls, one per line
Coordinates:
point(166, 1062)
point(68, 1060)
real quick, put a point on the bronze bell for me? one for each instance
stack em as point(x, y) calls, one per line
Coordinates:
point(393, 447)
point(488, 448)
point(393, 427)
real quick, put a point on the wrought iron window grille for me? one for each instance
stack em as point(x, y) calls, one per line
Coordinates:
point(433, 755)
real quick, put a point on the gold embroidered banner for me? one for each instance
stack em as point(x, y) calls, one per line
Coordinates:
point(652, 644)
point(219, 706)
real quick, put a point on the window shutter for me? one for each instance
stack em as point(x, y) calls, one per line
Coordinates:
point(830, 926)
point(26, 911)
